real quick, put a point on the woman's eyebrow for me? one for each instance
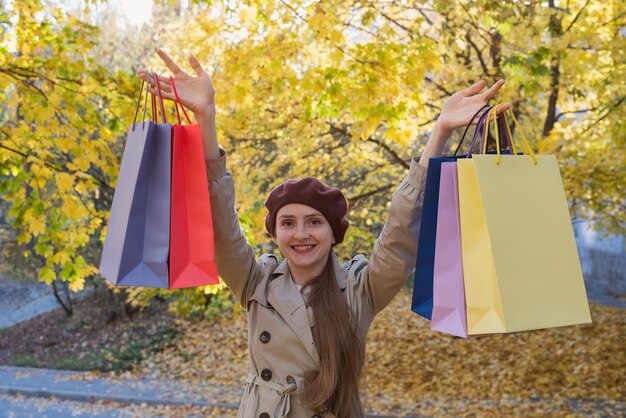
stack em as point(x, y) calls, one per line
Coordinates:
point(313, 215)
point(306, 216)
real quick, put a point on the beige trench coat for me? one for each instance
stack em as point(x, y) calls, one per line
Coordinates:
point(280, 338)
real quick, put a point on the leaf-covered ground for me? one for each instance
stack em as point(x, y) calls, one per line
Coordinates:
point(413, 370)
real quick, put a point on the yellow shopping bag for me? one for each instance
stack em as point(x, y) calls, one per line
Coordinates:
point(520, 262)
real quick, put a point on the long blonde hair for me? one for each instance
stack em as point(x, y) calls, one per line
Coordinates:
point(335, 386)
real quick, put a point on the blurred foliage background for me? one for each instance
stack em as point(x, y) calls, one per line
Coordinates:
point(343, 90)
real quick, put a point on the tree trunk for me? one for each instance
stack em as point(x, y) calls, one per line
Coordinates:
point(554, 95)
point(66, 305)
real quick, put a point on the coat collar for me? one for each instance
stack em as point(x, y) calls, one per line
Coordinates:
point(284, 296)
point(341, 274)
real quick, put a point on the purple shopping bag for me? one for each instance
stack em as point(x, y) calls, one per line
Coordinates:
point(136, 247)
point(448, 291)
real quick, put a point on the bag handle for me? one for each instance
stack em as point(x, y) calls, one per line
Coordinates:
point(480, 127)
point(158, 85)
point(494, 111)
point(177, 101)
point(467, 128)
point(143, 82)
point(480, 130)
point(519, 128)
point(503, 126)
point(145, 106)
point(153, 107)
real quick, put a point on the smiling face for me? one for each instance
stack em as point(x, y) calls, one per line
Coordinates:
point(304, 237)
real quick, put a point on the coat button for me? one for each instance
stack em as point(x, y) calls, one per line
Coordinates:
point(264, 415)
point(266, 374)
point(265, 337)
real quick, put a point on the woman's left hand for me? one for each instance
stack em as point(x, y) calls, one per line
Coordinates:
point(457, 111)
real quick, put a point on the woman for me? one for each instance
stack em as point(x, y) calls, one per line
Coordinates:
point(308, 315)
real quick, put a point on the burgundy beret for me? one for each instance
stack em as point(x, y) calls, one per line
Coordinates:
point(311, 192)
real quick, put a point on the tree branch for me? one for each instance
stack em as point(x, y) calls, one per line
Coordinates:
point(354, 199)
point(439, 86)
point(558, 116)
point(326, 37)
point(394, 155)
point(577, 16)
point(612, 108)
point(478, 54)
point(54, 167)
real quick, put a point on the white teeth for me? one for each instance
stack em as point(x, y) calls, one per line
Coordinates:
point(302, 247)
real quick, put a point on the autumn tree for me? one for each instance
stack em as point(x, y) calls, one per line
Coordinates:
point(59, 117)
point(343, 90)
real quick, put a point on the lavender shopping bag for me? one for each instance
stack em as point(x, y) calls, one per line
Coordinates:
point(136, 247)
point(448, 289)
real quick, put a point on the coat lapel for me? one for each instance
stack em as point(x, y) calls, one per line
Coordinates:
point(285, 297)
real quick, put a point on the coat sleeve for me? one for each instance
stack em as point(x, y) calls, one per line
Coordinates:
point(235, 258)
point(393, 256)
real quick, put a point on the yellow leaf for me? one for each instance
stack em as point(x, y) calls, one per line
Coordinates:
point(65, 182)
point(248, 14)
point(61, 257)
point(46, 274)
point(77, 284)
point(36, 225)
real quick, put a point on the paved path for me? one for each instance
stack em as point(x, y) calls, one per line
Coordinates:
point(599, 292)
point(33, 392)
point(84, 387)
point(18, 406)
point(20, 302)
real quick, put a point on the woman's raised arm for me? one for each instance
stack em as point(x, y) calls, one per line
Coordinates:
point(393, 256)
point(235, 258)
point(456, 112)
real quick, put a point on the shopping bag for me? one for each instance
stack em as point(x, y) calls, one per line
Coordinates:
point(448, 288)
point(192, 252)
point(422, 301)
point(136, 246)
point(520, 263)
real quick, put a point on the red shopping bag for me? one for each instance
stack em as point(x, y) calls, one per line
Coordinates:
point(192, 251)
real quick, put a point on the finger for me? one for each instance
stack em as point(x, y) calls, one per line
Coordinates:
point(503, 107)
point(500, 108)
point(164, 95)
point(474, 88)
point(195, 64)
point(171, 65)
point(490, 92)
point(164, 82)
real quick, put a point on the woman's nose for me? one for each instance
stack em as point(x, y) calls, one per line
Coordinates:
point(301, 232)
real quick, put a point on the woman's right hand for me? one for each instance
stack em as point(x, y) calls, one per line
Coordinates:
point(195, 93)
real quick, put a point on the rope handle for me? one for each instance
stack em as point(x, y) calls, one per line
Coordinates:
point(467, 128)
point(498, 151)
point(143, 82)
point(177, 101)
point(145, 104)
point(480, 126)
point(158, 85)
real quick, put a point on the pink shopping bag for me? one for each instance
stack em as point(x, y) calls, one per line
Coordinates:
point(448, 290)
